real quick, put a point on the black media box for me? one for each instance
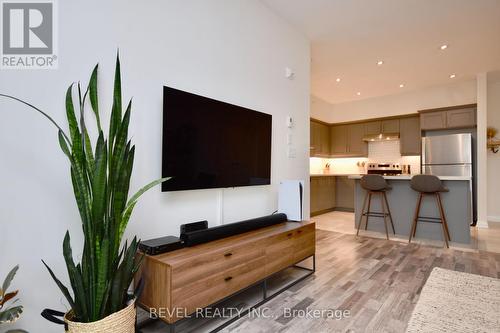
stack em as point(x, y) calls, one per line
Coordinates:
point(161, 245)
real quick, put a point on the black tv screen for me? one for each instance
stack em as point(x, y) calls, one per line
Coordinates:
point(212, 144)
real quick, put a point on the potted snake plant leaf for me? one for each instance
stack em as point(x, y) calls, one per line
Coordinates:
point(100, 174)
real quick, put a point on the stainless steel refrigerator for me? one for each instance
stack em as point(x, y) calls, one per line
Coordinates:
point(450, 155)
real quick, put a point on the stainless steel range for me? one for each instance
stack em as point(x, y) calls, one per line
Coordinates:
point(385, 169)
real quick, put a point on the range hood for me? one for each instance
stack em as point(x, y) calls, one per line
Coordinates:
point(381, 137)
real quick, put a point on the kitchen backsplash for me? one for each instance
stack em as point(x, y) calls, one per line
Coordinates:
point(388, 151)
point(378, 152)
point(337, 165)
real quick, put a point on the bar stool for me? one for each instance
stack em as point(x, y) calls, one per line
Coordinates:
point(429, 185)
point(375, 185)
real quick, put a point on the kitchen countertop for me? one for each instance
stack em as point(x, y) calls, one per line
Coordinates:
point(408, 177)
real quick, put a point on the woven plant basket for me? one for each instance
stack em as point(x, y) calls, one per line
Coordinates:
point(122, 321)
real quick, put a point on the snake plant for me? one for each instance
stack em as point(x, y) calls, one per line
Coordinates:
point(100, 175)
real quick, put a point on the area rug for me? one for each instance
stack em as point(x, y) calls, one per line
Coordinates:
point(457, 302)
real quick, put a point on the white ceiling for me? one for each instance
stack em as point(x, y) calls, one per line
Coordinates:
point(348, 37)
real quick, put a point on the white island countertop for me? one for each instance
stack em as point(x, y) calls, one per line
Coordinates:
point(408, 177)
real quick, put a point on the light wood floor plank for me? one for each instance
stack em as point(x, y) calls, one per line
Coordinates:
point(379, 281)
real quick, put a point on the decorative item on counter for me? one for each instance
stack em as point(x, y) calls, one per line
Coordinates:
point(326, 170)
point(493, 142)
point(361, 164)
point(406, 168)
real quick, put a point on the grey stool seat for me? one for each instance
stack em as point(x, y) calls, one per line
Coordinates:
point(429, 185)
point(375, 185)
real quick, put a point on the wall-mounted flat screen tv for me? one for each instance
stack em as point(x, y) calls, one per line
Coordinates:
point(213, 144)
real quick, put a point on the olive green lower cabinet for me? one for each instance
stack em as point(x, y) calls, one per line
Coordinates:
point(322, 194)
point(331, 192)
point(344, 194)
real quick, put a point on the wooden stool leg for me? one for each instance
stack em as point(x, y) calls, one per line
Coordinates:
point(441, 209)
point(368, 211)
point(418, 213)
point(413, 230)
point(362, 212)
point(383, 212)
point(445, 236)
point(389, 212)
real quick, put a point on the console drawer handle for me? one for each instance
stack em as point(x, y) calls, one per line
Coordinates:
point(290, 234)
point(299, 231)
point(228, 254)
point(228, 278)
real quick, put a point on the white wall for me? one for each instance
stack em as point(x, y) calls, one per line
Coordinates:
point(235, 51)
point(392, 105)
point(493, 159)
point(320, 109)
point(482, 163)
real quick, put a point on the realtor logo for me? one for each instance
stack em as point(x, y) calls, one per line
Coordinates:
point(28, 35)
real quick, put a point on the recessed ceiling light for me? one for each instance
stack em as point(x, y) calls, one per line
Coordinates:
point(401, 85)
point(358, 93)
point(444, 47)
point(452, 76)
point(338, 79)
point(380, 62)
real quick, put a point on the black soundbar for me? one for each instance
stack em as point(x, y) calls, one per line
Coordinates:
point(226, 230)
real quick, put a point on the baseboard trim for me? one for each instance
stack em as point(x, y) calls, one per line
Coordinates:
point(482, 224)
point(335, 209)
point(324, 211)
point(344, 209)
point(493, 218)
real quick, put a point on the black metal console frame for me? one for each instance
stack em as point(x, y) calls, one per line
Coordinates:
point(266, 298)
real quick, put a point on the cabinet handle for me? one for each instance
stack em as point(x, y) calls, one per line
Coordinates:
point(299, 231)
point(228, 278)
point(228, 254)
point(290, 234)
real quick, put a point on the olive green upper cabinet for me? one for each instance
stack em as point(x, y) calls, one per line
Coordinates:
point(410, 136)
point(390, 126)
point(338, 140)
point(320, 139)
point(461, 118)
point(313, 137)
point(356, 146)
point(347, 140)
point(325, 140)
point(452, 117)
point(433, 120)
point(373, 127)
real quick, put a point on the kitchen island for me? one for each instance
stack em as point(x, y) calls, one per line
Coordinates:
point(403, 200)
